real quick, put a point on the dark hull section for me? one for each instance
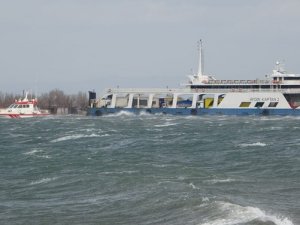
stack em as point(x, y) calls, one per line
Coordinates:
point(199, 111)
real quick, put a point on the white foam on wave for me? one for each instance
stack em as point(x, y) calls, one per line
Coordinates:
point(43, 181)
point(77, 136)
point(144, 113)
point(159, 165)
point(165, 125)
point(259, 144)
point(32, 152)
point(119, 172)
point(235, 214)
point(193, 186)
point(216, 181)
point(121, 113)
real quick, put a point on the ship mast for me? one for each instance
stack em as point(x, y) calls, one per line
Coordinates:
point(201, 63)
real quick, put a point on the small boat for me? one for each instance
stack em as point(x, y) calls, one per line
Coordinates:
point(23, 108)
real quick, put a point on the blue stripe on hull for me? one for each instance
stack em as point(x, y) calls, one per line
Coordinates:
point(185, 111)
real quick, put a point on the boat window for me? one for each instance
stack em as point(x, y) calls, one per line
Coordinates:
point(259, 104)
point(15, 106)
point(245, 104)
point(19, 106)
point(27, 106)
point(291, 78)
point(11, 106)
point(273, 104)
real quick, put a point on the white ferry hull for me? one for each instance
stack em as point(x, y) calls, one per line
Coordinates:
point(195, 112)
point(199, 103)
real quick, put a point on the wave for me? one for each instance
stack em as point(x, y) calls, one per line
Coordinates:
point(235, 214)
point(43, 181)
point(118, 172)
point(193, 186)
point(32, 152)
point(121, 113)
point(77, 136)
point(216, 181)
point(165, 125)
point(259, 144)
point(35, 152)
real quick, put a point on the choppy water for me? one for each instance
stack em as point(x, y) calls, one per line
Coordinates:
point(150, 169)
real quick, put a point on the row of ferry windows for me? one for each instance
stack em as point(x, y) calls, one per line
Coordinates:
point(19, 106)
point(286, 78)
point(258, 104)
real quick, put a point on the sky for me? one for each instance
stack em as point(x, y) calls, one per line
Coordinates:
point(82, 45)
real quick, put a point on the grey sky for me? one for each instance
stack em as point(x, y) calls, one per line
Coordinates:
point(92, 44)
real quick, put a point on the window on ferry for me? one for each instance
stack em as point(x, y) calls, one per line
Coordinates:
point(245, 104)
point(292, 78)
point(259, 104)
point(273, 104)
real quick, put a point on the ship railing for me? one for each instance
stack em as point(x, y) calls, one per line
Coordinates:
point(195, 90)
point(226, 90)
point(257, 81)
point(147, 90)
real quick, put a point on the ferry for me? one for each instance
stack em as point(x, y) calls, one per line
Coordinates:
point(275, 94)
point(23, 108)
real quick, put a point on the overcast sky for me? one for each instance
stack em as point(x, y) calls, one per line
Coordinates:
point(80, 45)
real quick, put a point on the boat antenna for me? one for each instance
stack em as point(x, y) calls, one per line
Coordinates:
point(35, 87)
point(201, 63)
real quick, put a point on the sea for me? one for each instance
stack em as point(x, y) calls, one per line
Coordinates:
point(145, 169)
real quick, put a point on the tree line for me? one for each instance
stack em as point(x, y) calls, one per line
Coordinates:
point(53, 99)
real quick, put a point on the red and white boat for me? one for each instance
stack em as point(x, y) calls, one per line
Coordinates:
point(23, 108)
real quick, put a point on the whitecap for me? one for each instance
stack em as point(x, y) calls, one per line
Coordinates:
point(43, 181)
point(216, 181)
point(44, 156)
point(159, 165)
point(77, 136)
point(193, 186)
point(143, 113)
point(236, 214)
point(32, 152)
point(119, 172)
point(259, 144)
point(165, 125)
point(121, 113)
point(205, 199)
